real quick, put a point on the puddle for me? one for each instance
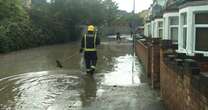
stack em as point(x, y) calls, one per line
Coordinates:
point(123, 72)
point(118, 84)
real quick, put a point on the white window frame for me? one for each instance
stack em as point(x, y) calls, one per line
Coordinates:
point(160, 28)
point(148, 29)
point(167, 25)
point(172, 26)
point(184, 26)
point(157, 30)
point(191, 29)
point(152, 29)
point(169, 33)
point(198, 26)
point(164, 37)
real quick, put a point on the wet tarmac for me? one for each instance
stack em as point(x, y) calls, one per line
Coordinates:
point(30, 80)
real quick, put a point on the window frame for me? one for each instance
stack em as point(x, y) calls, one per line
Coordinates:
point(149, 29)
point(172, 26)
point(184, 26)
point(191, 29)
point(157, 28)
point(146, 29)
point(160, 28)
point(153, 28)
point(195, 26)
point(166, 24)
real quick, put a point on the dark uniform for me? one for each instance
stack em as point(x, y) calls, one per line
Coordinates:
point(88, 45)
point(118, 36)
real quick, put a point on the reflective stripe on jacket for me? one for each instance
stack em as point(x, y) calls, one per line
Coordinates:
point(90, 42)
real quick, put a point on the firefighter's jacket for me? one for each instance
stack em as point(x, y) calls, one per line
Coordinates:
point(89, 45)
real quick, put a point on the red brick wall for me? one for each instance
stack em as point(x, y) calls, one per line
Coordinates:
point(155, 64)
point(176, 86)
point(149, 53)
point(183, 84)
point(143, 52)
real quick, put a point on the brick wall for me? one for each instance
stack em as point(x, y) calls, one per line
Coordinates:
point(183, 85)
point(143, 52)
point(155, 63)
point(149, 52)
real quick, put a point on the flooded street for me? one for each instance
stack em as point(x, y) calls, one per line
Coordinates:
point(30, 80)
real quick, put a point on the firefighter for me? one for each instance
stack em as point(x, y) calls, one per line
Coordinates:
point(89, 44)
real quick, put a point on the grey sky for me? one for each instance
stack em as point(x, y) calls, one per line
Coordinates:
point(128, 4)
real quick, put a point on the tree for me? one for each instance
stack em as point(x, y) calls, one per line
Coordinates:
point(111, 10)
point(52, 22)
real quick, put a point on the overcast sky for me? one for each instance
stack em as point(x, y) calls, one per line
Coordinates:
point(128, 5)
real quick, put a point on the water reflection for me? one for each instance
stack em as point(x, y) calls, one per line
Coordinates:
point(68, 89)
point(88, 90)
point(54, 89)
point(123, 73)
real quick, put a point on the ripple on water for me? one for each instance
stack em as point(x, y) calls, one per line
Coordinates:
point(36, 90)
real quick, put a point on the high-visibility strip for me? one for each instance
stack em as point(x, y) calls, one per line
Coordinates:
point(89, 50)
point(85, 42)
point(95, 37)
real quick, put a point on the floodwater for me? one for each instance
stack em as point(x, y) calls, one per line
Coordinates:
point(30, 80)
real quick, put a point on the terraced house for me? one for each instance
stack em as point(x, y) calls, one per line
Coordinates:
point(174, 51)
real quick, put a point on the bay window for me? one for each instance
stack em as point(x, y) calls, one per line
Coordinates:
point(171, 25)
point(157, 28)
point(193, 29)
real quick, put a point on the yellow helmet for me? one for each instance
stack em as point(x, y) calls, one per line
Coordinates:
point(90, 28)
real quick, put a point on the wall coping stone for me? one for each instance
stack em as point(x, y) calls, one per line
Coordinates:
point(144, 44)
point(191, 67)
point(170, 61)
point(156, 41)
point(178, 65)
point(200, 57)
point(179, 61)
point(175, 46)
point(181, 55)
point(165, 44)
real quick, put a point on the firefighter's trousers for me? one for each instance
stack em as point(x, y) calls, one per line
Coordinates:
point(90, 60)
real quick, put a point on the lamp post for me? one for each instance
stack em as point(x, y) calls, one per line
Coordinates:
point(133, 26)
point(134, 6)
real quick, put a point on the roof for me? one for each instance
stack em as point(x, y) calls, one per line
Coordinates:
point(172, 8)
point(174, 5)
point(194, 3)
point(156, 11)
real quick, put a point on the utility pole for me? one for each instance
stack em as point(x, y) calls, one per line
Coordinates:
point(133, 40)
point(134, 26)
point(134, 5)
